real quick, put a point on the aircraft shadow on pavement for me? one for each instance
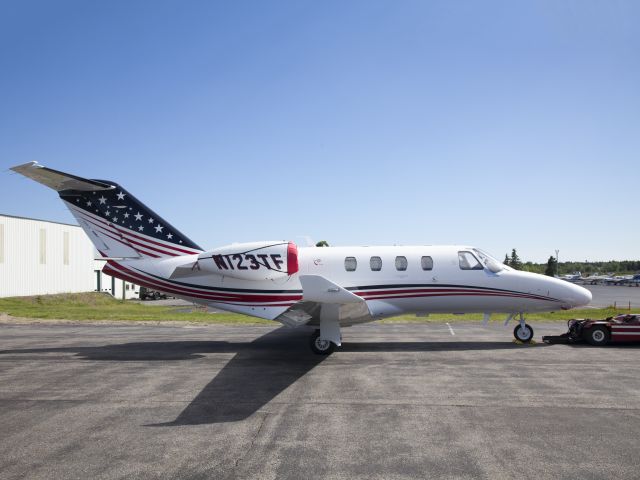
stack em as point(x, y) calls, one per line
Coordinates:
point(267, 366)
point(259, 371)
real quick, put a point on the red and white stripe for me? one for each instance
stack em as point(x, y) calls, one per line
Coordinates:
point(442, 292)
point(266, 299)
point(143, 244)
point(625, 332)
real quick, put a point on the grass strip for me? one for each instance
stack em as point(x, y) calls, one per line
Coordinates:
point(98, 306)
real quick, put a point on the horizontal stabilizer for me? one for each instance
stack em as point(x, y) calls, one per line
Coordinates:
point(188, 270)
point(59, 181)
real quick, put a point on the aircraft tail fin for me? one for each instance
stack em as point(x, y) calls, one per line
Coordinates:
point(118, 224)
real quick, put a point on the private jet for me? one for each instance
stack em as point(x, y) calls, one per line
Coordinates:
point(327, 288)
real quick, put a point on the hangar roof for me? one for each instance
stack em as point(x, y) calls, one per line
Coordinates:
point(39, 220)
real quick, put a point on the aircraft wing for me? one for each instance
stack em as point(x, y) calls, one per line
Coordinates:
point(316, 288)
point(320, 293)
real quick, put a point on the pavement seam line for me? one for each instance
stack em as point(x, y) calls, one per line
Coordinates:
point(253, 441)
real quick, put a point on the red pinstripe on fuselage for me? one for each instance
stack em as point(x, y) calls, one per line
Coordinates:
point(287, 298)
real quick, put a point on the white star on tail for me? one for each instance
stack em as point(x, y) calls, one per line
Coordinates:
point(140, 228)
point(151, 220)
point(102, 200)
point(138, 216)
point(120, 196)
point(170, 236)
point(158, 228)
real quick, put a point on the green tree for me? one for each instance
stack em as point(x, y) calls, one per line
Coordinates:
point(551, 266)
point(506, 259)
point(514, 261)
point(322, 243)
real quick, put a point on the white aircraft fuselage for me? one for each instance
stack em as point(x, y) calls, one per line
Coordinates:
point(387, 292)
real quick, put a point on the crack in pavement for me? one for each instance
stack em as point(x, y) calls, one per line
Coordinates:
point(252, 443)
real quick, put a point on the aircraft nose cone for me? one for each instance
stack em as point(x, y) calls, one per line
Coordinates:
point(578, 296)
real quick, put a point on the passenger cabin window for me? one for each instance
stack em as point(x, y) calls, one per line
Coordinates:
point(350, 264)
point(401, 263)
point(468, 261)
point(376, 264)
point(426, 263)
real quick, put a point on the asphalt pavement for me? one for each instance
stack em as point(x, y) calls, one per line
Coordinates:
point(619, 295)
point(396, 402)
point(603, 296)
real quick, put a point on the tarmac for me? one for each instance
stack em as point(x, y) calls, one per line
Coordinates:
point(397, 401)
point(603, 296)
point(609, 295)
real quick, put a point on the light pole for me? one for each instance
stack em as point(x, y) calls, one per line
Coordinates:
point(557, 261)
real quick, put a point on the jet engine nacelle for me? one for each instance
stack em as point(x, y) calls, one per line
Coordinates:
point(252, 261)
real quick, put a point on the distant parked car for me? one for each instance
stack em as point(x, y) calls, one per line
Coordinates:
point(621, 328)
point(148, 294)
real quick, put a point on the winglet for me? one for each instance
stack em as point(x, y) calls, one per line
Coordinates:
point(59, 181)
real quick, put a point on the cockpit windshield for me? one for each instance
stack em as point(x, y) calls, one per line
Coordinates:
point(489, 262)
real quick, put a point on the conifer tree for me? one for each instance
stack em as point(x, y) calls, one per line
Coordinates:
point(515, 262)
point(551, 266)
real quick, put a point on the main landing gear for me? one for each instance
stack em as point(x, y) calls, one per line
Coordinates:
point(523, 332)
point(325, 340)
point(321, 346)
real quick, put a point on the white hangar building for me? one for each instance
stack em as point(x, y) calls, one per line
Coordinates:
point(38, 257)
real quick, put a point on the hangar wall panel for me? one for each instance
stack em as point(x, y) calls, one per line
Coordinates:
point(38, 257)
point(34, 258)
point(1, 243)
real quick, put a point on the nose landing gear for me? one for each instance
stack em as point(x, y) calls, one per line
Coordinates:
point(523, 332)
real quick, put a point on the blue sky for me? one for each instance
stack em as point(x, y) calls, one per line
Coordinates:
point(496, 124)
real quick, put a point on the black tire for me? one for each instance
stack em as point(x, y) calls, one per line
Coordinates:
point(156, 295)
point(523, 336)
point(321, 347)
point(597, 336)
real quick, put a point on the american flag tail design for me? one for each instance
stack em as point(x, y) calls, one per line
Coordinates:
point(118, 224)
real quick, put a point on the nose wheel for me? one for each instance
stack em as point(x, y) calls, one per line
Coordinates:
point(523, 333)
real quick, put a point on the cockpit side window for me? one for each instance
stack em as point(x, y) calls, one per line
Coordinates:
point(491, 263)
point(468, 261)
